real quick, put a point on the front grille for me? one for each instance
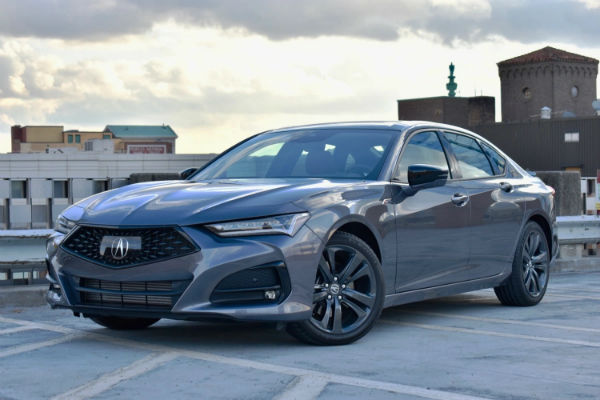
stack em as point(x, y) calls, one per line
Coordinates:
point(152, 294)
point(157, 244)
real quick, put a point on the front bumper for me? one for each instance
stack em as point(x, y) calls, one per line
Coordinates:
point(195, 276)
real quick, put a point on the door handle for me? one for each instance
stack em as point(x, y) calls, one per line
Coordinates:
point(507, 187)
point(460, 199)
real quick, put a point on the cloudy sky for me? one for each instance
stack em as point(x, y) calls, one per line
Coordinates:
point(220, 70)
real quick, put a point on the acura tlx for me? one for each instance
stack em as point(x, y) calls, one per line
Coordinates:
point(318, 227)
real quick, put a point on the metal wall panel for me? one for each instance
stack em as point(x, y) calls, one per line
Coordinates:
point(540, 145)
point(40, 188)
point(4, 189)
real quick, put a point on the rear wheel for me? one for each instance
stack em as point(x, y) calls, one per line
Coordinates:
point(348, 293)
point(120, 323)
point(527, 284)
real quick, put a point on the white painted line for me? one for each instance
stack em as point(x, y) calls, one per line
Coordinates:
point(573, 296)
point(280, 369)
point(305, 387)
point(506, 321)
point(493, 333)
point(107, 381)
point(34, 346)
point(16, 329)
point(38, 325)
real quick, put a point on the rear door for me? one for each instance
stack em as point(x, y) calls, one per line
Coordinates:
point(432, 222)
point(497, 206)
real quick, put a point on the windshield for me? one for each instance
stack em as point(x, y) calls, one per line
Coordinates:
point(314, 153)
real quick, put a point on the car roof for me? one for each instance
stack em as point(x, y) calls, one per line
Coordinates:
point(384, 125)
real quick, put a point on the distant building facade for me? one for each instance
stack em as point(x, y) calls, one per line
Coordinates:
point(460, 111)
point(565, 82)
point(35, 188)
point(144, 139)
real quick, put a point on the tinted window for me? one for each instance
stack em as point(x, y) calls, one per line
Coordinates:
point(471, 160)
point(422, 148)
point(495, 158)
point(325, 153)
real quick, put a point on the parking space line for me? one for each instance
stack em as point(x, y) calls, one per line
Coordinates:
point(34, 346)
point(262, 366)
point(493, 333)
point(505, 321)
point(38, 325)
point(107, 381)
point(573, 296)
point(281, 369)
point(16, 329)
point(303, 388)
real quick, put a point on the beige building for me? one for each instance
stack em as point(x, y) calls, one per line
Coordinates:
point(154, 139)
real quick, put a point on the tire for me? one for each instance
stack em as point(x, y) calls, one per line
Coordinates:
point(120, 323)
point(348, 294)
point(528, 281)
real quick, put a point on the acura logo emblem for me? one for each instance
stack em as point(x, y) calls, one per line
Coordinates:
point(119, 248)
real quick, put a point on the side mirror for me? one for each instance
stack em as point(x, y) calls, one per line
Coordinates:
point(186, 173)
point(419, 174)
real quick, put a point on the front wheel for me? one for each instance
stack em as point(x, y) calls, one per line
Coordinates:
point(120, 323)
point(348, 293)
point(528, 281)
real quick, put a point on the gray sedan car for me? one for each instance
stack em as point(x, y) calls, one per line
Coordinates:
point(319, 227)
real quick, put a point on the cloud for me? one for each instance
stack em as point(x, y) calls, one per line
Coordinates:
point(386, 20)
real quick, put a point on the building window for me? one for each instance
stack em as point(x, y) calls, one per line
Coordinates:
point(70, 139)
point(574, 91)
point(18, 189)
point(572, 137)
point(105, 136)
point(591, 187)
point(77, 138)
point(100, 186)
point(61, 189)
point(527, 93)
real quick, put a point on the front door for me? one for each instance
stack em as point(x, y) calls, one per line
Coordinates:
point(432, 222)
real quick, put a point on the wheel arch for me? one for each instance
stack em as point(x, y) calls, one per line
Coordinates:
point(545, 225)
point(363, 232)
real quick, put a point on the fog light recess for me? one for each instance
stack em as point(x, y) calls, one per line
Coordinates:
point(265, 284)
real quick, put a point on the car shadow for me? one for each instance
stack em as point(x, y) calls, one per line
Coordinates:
point(233, 335)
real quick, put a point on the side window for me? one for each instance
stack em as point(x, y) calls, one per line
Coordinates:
point(495, 158)
point(422, 148)
point(471, 160)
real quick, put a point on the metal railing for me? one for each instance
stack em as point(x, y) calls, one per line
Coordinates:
point(22, 256)
point(578, 229)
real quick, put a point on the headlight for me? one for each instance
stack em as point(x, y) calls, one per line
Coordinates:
point(64, 225)
point(280, 224)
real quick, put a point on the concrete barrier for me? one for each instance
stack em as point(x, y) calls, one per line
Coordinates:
point(567, 185)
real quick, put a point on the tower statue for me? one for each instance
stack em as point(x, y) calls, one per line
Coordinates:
point(451, 85)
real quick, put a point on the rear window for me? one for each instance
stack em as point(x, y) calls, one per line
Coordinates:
point(496, 159)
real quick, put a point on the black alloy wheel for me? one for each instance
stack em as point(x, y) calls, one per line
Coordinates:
point(348, 293)
point(531, 269)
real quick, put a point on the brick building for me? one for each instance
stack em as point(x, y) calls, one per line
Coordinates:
point(461, 111)
point(565, 82)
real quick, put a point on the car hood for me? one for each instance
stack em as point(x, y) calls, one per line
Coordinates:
point(189, 203)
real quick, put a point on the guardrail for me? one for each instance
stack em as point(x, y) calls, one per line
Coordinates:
point(22, 256)
point(578, 229)
point(22, 252)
